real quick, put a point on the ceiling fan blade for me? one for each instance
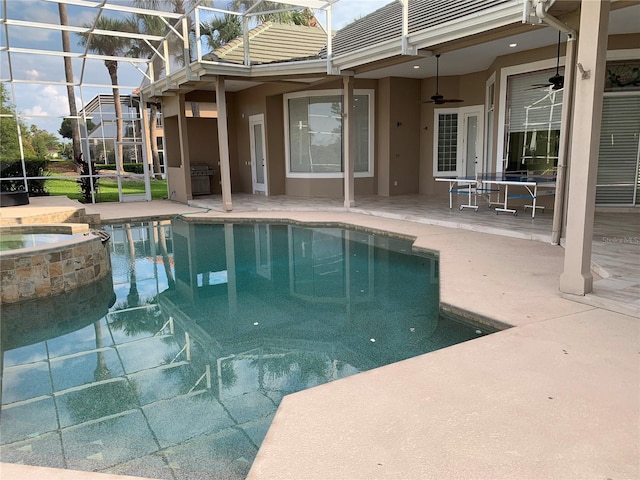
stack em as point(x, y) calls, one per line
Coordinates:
point(440, 101)
point(437, 98)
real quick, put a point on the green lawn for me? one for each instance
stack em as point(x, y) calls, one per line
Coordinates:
point(107, 189)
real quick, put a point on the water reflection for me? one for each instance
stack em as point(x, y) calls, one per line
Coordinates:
point(211, 326)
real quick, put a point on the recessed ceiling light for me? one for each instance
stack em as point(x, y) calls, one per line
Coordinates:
point(416, 66)
point(513, 45)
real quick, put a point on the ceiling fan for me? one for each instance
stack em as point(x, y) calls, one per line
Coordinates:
point(437, 98)
point(557, 81)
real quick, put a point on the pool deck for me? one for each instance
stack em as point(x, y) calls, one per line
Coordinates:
point(556, 396)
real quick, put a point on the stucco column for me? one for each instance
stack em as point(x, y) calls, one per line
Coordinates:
point(223, 142)
point(585, 142)
point(185, 160)
point(146, 147)
point(348, 140)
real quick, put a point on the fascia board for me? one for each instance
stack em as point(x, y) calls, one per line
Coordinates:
point(390, 48)
point(217, 68)
point(468, 26)
point(453, 30)
point(290, 68)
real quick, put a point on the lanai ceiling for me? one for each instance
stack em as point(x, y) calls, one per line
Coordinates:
point(31, 52)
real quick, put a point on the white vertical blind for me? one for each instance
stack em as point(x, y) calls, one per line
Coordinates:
point(532, 107)
point(618, 180)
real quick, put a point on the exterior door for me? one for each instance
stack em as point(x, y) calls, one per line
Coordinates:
point(258, 154)
point(472, 136)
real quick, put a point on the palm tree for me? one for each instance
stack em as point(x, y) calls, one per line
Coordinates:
point(221, 30)
point(151, 25)
point(176, 6)
point(295, 17)
point(71, 95)
point(111, 46)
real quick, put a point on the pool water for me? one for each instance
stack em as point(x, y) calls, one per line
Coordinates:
point(13, 241)
point(211, 327)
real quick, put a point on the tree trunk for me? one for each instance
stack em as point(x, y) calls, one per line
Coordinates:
point(71, 95)
point(133, 297)
point(166, 261)
point(153, 138)
point(112, 66)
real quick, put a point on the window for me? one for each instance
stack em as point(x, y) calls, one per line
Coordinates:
point(618, 160)
point(447, 143)
point(314, 134)
point(533, 123)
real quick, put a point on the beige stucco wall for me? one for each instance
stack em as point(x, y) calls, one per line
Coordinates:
point(267, 99)
point(262, 99)
point(471, 89)
point(402, 153)
point(204, 148)
point(398, 135)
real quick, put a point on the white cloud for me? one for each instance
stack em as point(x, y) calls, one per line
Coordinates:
point(35, 111)
point(42, 105)
point(32, 74)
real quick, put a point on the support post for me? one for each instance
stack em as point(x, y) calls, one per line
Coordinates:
point(585, 142)
point(348, 140)
point(185, 161)
point(223, 142)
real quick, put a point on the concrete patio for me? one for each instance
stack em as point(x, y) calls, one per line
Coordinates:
point(556, 396)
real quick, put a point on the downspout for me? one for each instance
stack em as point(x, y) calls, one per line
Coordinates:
point(565, 131)
point(540, 8)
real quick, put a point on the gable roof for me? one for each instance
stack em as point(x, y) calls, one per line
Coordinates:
point(273, 42)
point(386, 22)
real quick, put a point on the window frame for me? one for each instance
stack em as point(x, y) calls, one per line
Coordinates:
point(436, 130)
point(501, 143)
point(491, 94)
point(369, 92)
point(461, 161)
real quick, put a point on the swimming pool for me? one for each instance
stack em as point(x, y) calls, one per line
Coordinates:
point(211, 327)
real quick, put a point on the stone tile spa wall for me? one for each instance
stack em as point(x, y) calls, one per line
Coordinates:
point(55, 268)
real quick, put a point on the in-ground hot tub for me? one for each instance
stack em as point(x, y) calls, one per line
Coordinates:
point(38, 261)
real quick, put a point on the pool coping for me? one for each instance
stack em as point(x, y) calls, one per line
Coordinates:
point(544, 310)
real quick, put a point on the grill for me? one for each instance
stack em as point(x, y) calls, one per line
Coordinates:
point(200, 179)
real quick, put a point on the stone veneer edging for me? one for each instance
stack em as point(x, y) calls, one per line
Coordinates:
point(47, 270)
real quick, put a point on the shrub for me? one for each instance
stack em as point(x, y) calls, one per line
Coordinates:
point(85, 181)
point(134, 168)
point(34, 168)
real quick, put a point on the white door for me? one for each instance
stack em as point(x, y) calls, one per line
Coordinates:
point(472, 136)
point(258, 154)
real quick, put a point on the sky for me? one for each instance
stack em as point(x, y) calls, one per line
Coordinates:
point(44, 104)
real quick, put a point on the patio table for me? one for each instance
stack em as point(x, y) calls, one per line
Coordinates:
point(488, 184)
